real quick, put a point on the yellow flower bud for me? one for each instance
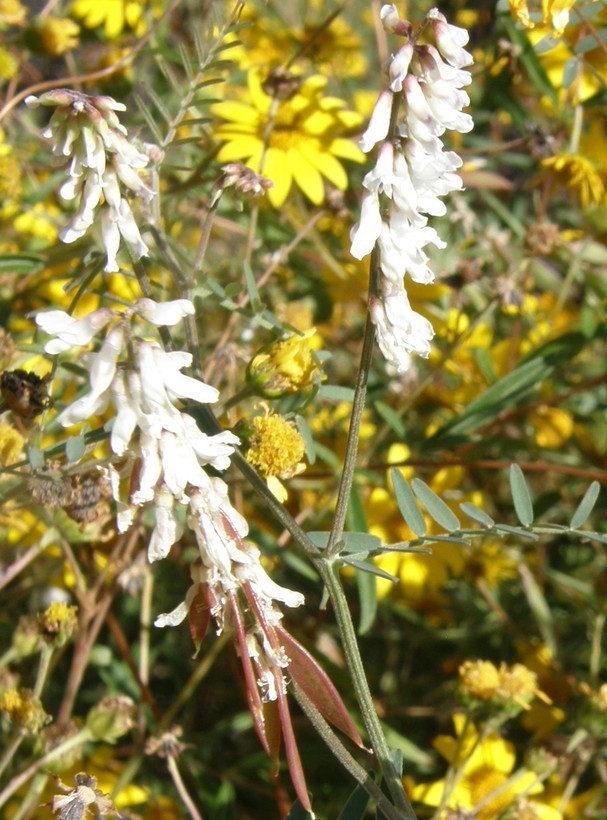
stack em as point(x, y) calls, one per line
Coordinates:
point(286, 366)
point(479, 679)
point(24, 709)
point(57, 36)
point(57, 623)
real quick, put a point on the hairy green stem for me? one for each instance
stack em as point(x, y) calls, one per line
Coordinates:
point(343, 755)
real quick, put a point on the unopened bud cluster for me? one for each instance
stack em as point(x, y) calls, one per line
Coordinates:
point(424, 99)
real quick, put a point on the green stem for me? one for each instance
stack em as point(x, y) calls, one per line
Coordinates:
point(358, 407)
point(43, 666)
point(363, 693)
point(343, 755)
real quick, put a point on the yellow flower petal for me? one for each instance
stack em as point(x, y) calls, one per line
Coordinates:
point(238, 112)
point(277, 169)
point(331, 168)
point(307, 177)
point(240, 148)
point(346, 149)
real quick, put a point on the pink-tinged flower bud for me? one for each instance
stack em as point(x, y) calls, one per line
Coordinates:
point(450, 40)
point(392, 23)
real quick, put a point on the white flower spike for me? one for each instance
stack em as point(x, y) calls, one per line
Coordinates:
point(412, 171)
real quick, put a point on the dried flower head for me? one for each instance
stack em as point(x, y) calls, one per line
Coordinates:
point(242, 179)
point(83, 798)
point(111, 718)
point(167, 745)
point(25, 393)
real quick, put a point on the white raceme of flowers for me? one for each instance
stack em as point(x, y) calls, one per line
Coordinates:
point(103, 163)
point(161, 455)
point(425, 98)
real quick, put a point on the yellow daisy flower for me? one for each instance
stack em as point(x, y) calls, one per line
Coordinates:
point(577, 173)
point(484, 765)
point(299, 139)
point(58, 35)
point(113, 15)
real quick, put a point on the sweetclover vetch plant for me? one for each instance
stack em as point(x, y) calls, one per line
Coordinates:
point(169, 466)
point(172, 461)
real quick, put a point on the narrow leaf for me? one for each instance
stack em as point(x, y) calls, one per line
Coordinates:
point(407, 503)
point(361, 542)
point(335, 392)
point(186, 62)
point(297, 812)
point(404, 546)
point(319, 538)
point(585, 506)
point(476, 514)
point(151, 121)
point(391, 417)
point(445, 539)
point(35, 456)
point(160, 105)
point(75, 448)
point(521, 496)
point(370, 569)
point(539, 606)
point(367, 594)
point(308, 438)
point(595, 536)
point(436, 507)
point(356, 805)
point(318, 687)
point(21, 263)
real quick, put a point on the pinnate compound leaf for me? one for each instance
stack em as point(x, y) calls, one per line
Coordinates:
point(436, 507)
point(585, 506)
point(521, 496)
point(407, 503)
